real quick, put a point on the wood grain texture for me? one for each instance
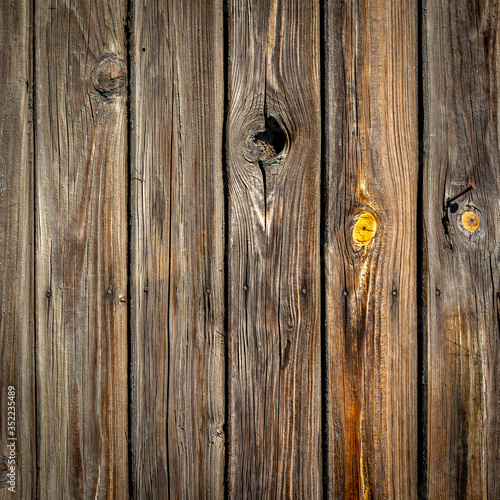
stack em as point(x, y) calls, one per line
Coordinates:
point(16, 247)
point(81, 249)
point(370, 247)
point(177, 271)
point(462, 260)
point(274, 147)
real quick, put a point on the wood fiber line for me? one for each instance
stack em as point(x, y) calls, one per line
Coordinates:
point(274, 146)
point(16, 250)
point(81, 249)
point(177, 271)
point(370, 247)
point(461, 248)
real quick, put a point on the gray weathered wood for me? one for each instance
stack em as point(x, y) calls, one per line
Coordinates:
point(370, 248)
point(81, 249)
point(177, 271)
point(274, 146)
point(461, 248)
point(16, 248)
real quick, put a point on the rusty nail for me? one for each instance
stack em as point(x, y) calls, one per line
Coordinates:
point(48, 294)
point(466, 190)
point(146, 289)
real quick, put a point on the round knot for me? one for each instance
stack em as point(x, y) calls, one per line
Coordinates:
point(470, 221)
point(109, 75)
point(364, 229)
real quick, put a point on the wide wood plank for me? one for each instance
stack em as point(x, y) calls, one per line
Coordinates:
point(461, 252)
point(274, 147)
point(370, 247)
point(81, 249)
point(177, 270)
point(17, 442)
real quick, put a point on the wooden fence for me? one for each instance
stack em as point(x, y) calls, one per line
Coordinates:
point(248, 249)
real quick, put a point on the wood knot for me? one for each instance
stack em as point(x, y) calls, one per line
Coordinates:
point(364, 229)
point(470, 221)
point(266, 144)
point(109, 76)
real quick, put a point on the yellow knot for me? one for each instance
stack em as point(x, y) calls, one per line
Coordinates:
point(364, 229)
point(470, 220)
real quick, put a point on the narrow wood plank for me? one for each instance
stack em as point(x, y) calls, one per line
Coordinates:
point(370, 247)
point(274, 148)
point(462, 253)
point(81, 249)
point(177, 266)
point(17, 442)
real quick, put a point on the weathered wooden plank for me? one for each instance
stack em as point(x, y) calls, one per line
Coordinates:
point(461, 252)
point(370, 247)
point(273, 147)
point(177, 279)
point(17, 442)
point(81, 249)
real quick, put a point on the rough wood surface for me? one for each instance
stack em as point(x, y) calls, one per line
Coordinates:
point(16, 249)
point(177, 209)
point(462, 254)
point(370, 248)
point(274, 147)
point(81, 249)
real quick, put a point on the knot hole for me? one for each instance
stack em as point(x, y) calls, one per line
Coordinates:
point(268, 143)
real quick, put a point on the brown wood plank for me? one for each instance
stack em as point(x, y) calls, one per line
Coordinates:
point(17, 450)
point(177, 270)
point(81, 249)
point(462, 255)
point(274, 148)
point(370, 247)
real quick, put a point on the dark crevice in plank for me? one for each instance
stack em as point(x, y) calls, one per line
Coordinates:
point(130, 151)
point(35, 236)
point(225, 184)
point(322, 224)
point(421, 282)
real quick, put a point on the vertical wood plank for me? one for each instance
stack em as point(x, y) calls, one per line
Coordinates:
point(461, 252)
point(273, 147)
point(16, 252)
point(177, 313)
point(81, 249)
point(370, 247)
